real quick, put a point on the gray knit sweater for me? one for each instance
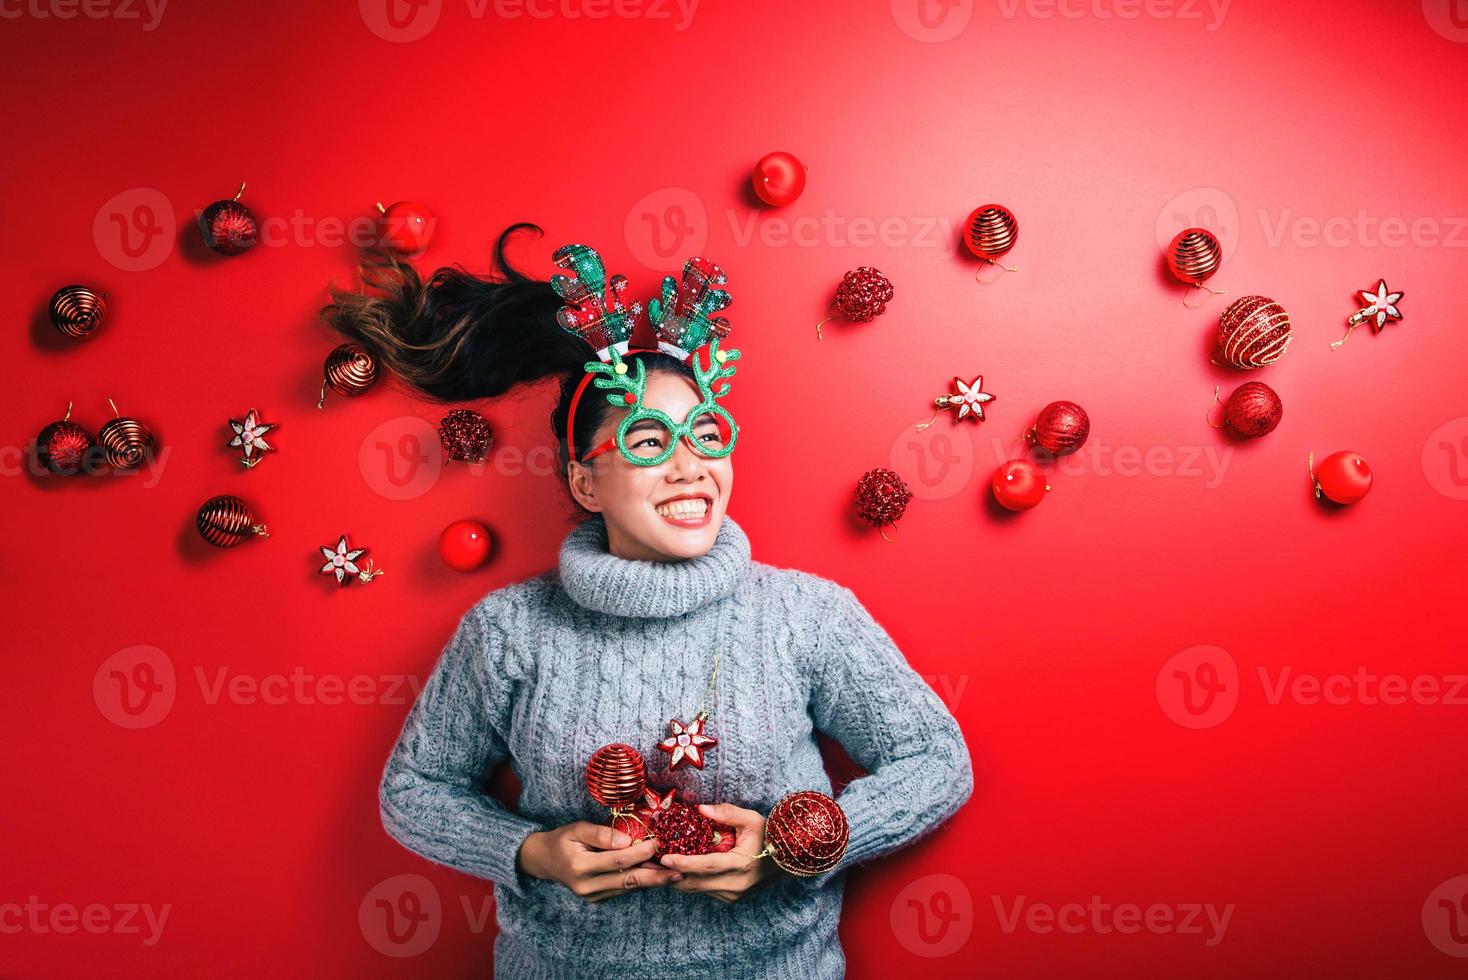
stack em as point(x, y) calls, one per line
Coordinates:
point(605, 649)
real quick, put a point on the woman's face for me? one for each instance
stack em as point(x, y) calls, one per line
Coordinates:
point(666, 512)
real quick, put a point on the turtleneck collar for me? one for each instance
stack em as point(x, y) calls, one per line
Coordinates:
point(597, 579)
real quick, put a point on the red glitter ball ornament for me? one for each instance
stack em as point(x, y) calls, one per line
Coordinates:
point(881, 497)
point(1253, 410)
point(63, 446)
point(1252, 332)
point(228, 226)
point(807, 833)
point(861, 297)
point(616, 775)
point(680, 828)
point(1019, 485)
point(1061, 428)
point(466, 435)
point(1341, 478)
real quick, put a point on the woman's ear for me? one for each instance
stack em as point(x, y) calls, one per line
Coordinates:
point(582, 482)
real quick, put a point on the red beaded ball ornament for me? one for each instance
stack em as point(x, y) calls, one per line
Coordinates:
point(807, 833)
point(1019, 485)
point(466, 435)
point(881, 497)
point(63, 446)
point(680, 828)
point(228, 226)
point(861, 297)
point(1252, 332)
point(226, 521)
point(1253, 410)
point(350, 370)
point(1060, 429)
point(1342, 478)
point(77, 311)
point(616, 775)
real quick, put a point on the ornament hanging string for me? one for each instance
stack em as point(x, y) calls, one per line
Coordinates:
point(1208, 415)
point(1201, 292)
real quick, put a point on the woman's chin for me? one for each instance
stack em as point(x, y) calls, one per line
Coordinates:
point(687, 542)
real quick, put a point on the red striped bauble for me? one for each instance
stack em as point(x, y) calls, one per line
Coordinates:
point(350, 370)
point(807, 833)
point(77, 311)
point(991, 230)
point(127, 443)
point(1252, 332)
point(616, 775)
point(1194, 255)
point(226, 521)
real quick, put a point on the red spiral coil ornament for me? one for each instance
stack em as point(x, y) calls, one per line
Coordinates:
point(226, 521)
point(126, 443)
point(616, 775)
point(807, 833)
point(77, 311)
point(350, 370)
point(1194, 255)
point(1252, 332)
point(990, 232)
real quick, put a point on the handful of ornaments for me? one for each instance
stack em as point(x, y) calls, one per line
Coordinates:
point(806, 833)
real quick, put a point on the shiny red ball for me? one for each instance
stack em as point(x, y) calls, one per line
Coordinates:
point(1194, 255)
point(990, 231)
point(1253, 410)
point(405, 227)
point(1343, 477)
point(228, 227)
point(807, 833)
point(465, 545)
point(63, 448)
point(881, 497)
point(1061, 428)
point(616, 775)
point(1019, 484)
point(779, 178)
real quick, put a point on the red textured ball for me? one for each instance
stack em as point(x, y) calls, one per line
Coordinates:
point(1252, 332)
point(63, 447)
point(466, 435)
point(77, 311)
point(863, 294)
point(1253, 410)
point(1343, 477)
point(991, 231)
point(1019, 484)
point(881, 497)
point(616, 775)
point(681, 828)
point(226, 521)
point(1194, 255)
point(779, 178)
point(807, 833)
point(228, 226)
point(632, 825)
point(465, 545)
point(1061, 428)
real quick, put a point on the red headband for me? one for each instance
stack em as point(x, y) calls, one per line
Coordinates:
point(576, 398)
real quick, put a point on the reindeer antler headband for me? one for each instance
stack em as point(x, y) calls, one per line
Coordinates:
point(684, 319)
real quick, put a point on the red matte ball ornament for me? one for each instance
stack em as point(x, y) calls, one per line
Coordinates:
point(405, 227)
point(779, 178)
point(1019, 485)
point(1341, 478)
point(465, 545)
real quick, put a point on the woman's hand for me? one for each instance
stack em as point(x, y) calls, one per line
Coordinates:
point(729, 875)
point(593, 860)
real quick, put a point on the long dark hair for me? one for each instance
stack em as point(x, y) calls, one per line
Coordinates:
point(459, 337)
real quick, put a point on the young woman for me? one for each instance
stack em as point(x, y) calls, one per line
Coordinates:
point(656, 611)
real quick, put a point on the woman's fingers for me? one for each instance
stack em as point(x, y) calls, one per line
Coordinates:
point(735, 816)
point(601, 887)
point(617, 859)
point(598, 835)
point(708, 864)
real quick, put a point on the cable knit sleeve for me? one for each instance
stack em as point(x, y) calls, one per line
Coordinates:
point(866, 696)
point(430, 797)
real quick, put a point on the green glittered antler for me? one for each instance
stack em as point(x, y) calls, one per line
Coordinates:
point(720, 367)
point(615, 377)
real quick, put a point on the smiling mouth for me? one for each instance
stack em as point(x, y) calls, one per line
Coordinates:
point(686, 513)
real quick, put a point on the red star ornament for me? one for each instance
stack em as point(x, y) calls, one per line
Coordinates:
point(685, 743)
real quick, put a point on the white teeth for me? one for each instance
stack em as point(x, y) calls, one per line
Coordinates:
point(684, 508)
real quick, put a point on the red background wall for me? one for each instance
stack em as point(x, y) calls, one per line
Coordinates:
point(1325, 149)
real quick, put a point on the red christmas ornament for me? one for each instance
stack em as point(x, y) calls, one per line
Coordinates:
point(1019, 484)
point(464, 546)
point(249, 436)
point(861, 297)
point(779, 178)
point(63, 446)
point(341, 561)
point(466, 435)
point(1252, 332)
point(1253, 410)
point(405, 227)
point(806, 833)
point(681, 828)
point(77, 311)
point(686, 743)
point(1060, 429)
point(990, 232)
point(616, 776)
point(228, 226)
point(1193, 256)
point(632, 825)
point(226, 521)
point(881, 498)
point(1342, 478)
point(350, 370)
point(126, 443)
